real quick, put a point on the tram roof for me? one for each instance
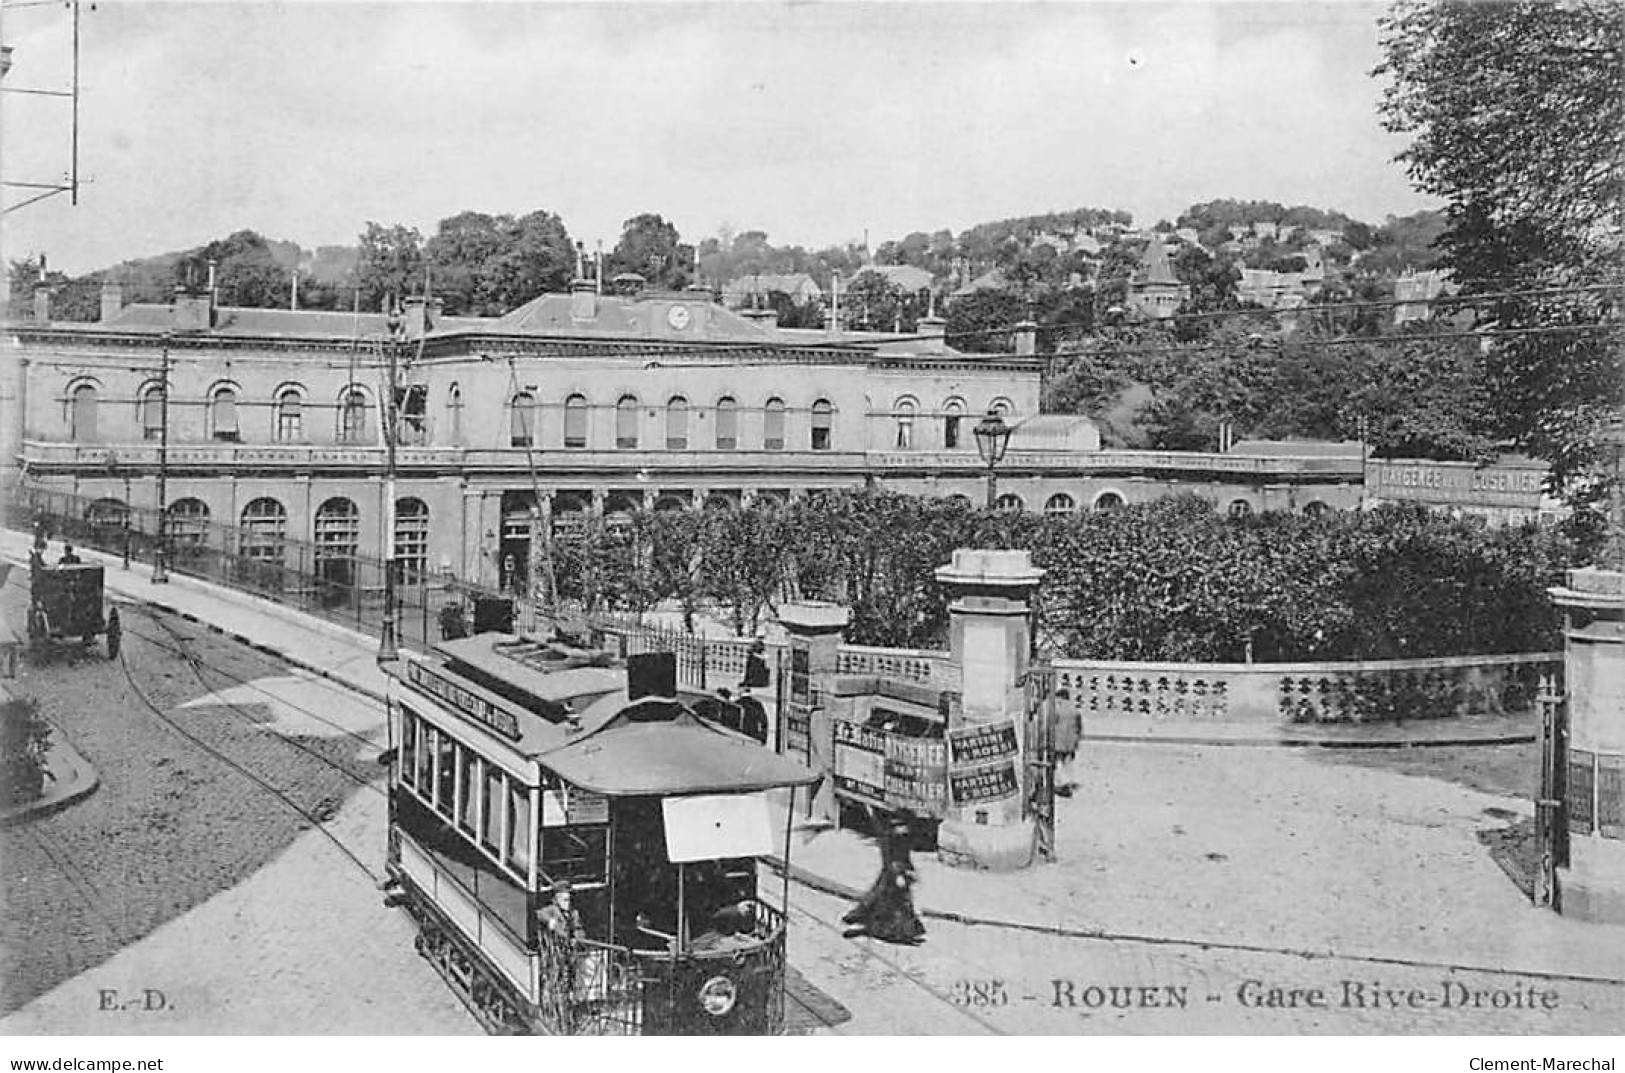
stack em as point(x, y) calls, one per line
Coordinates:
point(658, 748)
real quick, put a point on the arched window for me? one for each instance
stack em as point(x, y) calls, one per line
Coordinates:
point(262, 543)
point(412, 539)
point(1240, 508)
point(904, 414)
point(413, 418)
point(953, 414)
point(823, 420)
point(108, 516)
point(522, 420)
point(338, 539)
point(1060, 503)
point(575, 421)
point(82, 413)
point(152, 412)
point(677, 424)
point(454, 413)
point(223, 414)
point(1003, 407)
point(290, 416)
point(188, 523)
point(1108, 501)
point(353, 415)
point(1009, 501)
point(727, 423)
point(626, 423)
point(773, 425)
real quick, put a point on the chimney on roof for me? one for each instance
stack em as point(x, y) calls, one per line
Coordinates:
point(422, 317)
point(583, 301)
point(194, 310)
point(1026, 339)
point(112, 299)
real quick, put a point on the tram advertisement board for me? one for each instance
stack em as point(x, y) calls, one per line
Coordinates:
point(985, 782)
point(916, 774)
point(860, 760)
point(983, 742)
point(564, 805)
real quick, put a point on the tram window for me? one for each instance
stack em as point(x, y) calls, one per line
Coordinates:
point(426, 761)
point(518, 855)
point(446, 776)
point(409, 746)
point(491, 811)
point(467, 773)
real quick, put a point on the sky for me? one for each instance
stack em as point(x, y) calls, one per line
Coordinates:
point(814, 122)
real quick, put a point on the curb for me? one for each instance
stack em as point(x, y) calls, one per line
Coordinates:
point(81, 781)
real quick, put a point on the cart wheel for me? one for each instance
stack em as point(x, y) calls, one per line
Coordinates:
point(115, 634)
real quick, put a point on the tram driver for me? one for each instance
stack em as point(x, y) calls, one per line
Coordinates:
point(559, 916)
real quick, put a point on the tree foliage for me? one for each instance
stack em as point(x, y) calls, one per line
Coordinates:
point(486, 265)
point(1517, 117)
point(1169, 580)
point(651, 247)
point(390, 263)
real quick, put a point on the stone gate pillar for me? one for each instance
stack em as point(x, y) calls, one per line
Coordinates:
point(990, 594)
point(816, 632)
point(1592, 887)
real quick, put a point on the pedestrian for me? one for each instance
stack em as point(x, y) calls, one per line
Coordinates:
point(886, 910)
point(559, 916)
point(756, 674)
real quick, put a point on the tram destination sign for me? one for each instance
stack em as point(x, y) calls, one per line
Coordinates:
point(466, 701)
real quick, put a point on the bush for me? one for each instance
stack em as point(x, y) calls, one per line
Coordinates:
point(1169, 580)
point(25, 739)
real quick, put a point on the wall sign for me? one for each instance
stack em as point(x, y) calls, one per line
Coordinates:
point(978, 744)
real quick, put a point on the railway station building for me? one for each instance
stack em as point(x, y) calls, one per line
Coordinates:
point(571, 405)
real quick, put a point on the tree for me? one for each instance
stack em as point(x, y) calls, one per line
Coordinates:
point(1517, 115)
point(390, 263)
point(246, 271)
point(652, 248)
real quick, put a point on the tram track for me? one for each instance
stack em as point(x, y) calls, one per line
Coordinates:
point(317, 822)
point(361, 778)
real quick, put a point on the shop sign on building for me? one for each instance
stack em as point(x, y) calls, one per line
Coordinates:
point(860, 761)
point(1455, 483)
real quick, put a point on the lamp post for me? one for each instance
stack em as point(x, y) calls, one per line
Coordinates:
point(387, 649)
point(160, 556)
point(992, 437)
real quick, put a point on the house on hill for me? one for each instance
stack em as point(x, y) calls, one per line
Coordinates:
point(745, 290)
point(1154, 290)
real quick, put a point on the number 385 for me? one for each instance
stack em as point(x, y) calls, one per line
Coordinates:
point(980, 993)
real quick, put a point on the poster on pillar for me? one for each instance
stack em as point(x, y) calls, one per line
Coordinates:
point(860, 761)
point(982, 763)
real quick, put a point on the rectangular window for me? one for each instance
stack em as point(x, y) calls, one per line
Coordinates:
point(426, 748)
point(467, 799)
point(491, 810)
point(445, 788)
point(950, 431)
point(518, 855)
point(409, 746)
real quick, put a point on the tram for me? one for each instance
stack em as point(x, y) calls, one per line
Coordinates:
point(579, 850)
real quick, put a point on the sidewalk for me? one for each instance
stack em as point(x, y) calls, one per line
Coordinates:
point(1252, 848)
point(69, 777)
point(310, 643)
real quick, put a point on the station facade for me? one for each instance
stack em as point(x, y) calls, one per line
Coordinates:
point(571, 405)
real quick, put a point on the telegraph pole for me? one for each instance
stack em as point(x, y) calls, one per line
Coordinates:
point(160, 558)
point(387, 646)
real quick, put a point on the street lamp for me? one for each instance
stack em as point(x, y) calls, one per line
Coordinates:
point(387, 649)
point(160, 557)
point(992, 437)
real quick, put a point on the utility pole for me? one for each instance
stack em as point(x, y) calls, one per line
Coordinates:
point(388, 649)
point(160, 558)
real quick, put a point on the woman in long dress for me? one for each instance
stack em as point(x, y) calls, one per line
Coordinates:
point(886, 910)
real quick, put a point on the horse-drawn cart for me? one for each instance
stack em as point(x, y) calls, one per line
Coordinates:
point(65, 602)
